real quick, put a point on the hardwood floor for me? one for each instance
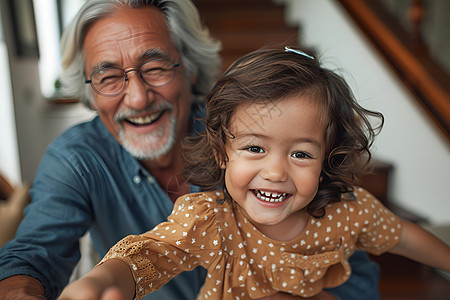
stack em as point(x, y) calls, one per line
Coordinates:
point(404, 279)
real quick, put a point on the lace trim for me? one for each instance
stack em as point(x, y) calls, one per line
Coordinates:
point(129, 251)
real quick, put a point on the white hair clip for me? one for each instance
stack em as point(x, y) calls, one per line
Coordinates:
point(288, 49)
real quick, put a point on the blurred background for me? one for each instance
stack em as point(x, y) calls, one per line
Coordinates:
point(395, 55)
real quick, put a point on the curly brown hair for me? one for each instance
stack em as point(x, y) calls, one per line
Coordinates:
point(270, 75)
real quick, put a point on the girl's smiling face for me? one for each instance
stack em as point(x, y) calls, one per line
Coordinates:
point(275, 162)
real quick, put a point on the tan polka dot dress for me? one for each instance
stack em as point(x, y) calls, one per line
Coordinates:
point(243, 263)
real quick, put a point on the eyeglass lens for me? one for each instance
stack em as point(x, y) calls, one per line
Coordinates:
point(112, 80)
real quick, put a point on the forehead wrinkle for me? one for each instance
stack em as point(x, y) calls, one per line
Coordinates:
point(132, 29)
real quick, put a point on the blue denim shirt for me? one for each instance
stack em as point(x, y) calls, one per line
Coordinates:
point(87, 181)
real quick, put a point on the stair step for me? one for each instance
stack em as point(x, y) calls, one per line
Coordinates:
point(251, 40)
point(236, 20)
point(245, 25)
point(239, 4)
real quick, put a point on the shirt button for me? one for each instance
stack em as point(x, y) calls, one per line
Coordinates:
point(137, 179)
point(150, 179)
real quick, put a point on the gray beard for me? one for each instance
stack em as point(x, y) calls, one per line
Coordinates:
point(149, 147)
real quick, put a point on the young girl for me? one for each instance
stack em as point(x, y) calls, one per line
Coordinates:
point(284, 144)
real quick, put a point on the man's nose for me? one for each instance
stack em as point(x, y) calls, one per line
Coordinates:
point(137, 93)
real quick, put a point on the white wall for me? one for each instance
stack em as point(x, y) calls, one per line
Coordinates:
point(38, 121)
point(409, 139)
point(33, 121)
point(9, 156)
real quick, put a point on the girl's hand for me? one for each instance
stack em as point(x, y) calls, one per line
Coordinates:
point(112, 280)
point(112, 294)
point(80, 291)
point(83, 289)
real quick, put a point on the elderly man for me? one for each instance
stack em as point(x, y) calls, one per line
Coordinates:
point(144, 66)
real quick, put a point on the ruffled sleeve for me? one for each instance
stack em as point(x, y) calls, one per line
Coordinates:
point(378, 228)
point(180, 244)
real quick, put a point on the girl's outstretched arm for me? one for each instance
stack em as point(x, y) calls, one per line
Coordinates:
point(111, 280)
point(420, 245)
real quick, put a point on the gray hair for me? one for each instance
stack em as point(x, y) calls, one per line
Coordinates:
point(198, 50)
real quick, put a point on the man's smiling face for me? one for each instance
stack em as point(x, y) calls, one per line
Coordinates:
point(146, 120)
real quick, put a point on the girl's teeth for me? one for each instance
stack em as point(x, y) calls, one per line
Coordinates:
point(270, 197)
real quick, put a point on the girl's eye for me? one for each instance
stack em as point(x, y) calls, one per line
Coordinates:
point(301, 155)
point(254, 149)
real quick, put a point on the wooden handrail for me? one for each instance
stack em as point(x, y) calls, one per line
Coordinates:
point(424, 77)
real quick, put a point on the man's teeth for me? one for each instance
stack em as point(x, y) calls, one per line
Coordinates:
point(270, 197)
point(145, 120)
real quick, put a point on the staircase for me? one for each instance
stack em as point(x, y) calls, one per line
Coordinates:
point(378, 182)
point(415, 47)
point(244, 26)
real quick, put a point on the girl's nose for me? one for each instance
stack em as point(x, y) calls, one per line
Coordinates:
point(274, 170)
point(138, 95)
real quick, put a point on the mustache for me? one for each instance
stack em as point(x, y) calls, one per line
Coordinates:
point(154, 107)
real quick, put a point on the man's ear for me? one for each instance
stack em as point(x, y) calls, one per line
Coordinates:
point(93, 104)
point(193, 79)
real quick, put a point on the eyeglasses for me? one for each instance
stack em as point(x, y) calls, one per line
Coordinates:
point(112, 81)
